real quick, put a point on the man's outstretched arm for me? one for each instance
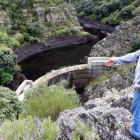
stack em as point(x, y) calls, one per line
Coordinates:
point(129, 58)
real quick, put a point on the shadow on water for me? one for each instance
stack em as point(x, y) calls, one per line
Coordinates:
point(38, 65)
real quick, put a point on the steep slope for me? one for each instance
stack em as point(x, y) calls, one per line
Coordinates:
point(35, 20)
point(113, 12)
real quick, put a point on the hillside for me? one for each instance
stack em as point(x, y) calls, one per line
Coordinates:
point(42, 41)
point(34, 20)
point(113, 12)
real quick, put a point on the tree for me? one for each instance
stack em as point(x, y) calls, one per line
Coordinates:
point(9, 104)
point(7, 66)
point(35, 29)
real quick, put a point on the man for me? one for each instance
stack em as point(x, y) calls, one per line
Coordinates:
point(134, 127)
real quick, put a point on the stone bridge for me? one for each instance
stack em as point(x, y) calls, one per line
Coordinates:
point(78, 75)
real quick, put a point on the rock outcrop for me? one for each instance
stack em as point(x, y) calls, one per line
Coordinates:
point(4, 19)
point(51, 15)
point(107, 111)
point(91, 23)
point(115, 83)
point(119, 42)
point(108, 115)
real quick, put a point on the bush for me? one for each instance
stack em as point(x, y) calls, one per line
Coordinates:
point(29, 129)
point(84, 33)
point(13, 43)
point(3, 47)
point(45, 101)
point(8, 41)
point(7, 66)
point(62, 32)
point(7, 60)
point(35, 29)
point(126, 12)
point(82, 132)
point(136, 11)
point(136, 45)
point(20, 38)
point(113, 19)
point(82, 14)
point(10, 105)
point(5, 78)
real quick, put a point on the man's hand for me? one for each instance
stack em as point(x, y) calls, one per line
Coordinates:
point(109, 63)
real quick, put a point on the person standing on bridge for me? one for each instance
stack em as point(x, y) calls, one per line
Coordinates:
point(134, 127)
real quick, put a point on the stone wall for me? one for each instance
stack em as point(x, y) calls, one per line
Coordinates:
point(119, 42)
point(75, 75)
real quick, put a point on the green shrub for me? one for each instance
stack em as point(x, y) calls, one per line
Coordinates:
point(35, 29)
point(74, 31)
point(82, 14)
point(136, 45)
point(20, 38)
point(8, 41)
point(82, 132)
point(44, 101)
point(84, 33)
point(29, 129)
point(136, 3)
point(5, 77)
point(126, 12)
point(136, 11)
point(10, 105)
point(3, 47)
point(62, 32)
point(7, 66)
point(113, 19)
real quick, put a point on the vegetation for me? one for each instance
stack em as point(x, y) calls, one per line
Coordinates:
point(29, 128)
point(7, 66)
point(136, 45)
point(22, 23)
point(113, 12)
point(45, 101)
point(10, 106)
point(82, 132)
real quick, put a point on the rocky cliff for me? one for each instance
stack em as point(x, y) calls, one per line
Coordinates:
point(119, 42)
point(107, 110)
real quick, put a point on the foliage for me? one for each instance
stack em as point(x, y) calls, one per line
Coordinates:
point(7, 65)
point(82, 132)
point(122, 9)
point(30, 128)
point(136, 11)
point(44, 101)
point(62, 32)
point(3, 47)
point(20, 38)
point(35, 29)
point(5, 78)
point(10, 105)
point(84, 33)
point(7, 41)
point(126, 12)
point(113, 19)
point(136, 45)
